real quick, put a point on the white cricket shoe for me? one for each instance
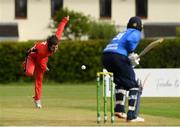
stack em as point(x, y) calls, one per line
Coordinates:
point(138, 119)
point(38, 103)
point(121, 115)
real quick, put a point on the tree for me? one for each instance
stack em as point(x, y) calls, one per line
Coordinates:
point(78, 24)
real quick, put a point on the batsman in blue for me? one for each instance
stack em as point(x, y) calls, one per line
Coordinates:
point(120, 58)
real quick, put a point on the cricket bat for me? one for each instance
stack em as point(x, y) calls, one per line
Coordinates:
point(150, 46)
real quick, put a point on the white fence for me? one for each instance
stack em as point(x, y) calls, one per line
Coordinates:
point(160, 82)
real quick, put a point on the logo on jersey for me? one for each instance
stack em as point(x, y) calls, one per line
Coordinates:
point(111, 47)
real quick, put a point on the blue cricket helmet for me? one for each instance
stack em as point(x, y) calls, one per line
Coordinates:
point(135, 22)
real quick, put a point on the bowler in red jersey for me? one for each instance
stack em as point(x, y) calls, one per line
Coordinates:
point(36, 61)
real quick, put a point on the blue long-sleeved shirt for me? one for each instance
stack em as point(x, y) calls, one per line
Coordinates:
point(125, 42)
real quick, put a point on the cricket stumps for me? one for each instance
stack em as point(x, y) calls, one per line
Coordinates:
point(105, 79)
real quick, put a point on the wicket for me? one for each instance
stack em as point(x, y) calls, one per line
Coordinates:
point(101, 75)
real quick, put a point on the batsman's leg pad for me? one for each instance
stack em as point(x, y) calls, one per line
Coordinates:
point(120, 100)
point(133, 92)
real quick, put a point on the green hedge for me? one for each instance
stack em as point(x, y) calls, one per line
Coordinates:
point(65, 65)
point(11, 57)
point(166, 55)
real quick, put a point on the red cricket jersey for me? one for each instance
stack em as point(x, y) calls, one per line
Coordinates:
point(41, 56)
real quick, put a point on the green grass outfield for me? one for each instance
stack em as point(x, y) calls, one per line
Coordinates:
point(74, 104)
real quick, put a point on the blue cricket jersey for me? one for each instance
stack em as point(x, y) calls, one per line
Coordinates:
point(125, 42)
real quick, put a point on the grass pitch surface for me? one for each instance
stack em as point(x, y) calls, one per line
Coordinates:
point(74, 105)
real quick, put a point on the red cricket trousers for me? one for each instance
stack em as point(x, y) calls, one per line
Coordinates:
point(33, 69)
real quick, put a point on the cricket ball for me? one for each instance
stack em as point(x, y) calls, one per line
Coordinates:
point(83, 67)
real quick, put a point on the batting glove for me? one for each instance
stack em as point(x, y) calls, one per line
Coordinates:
point(134, 58)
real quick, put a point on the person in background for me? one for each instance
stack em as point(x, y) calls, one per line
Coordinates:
point(119, 58)
point(36, 60)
